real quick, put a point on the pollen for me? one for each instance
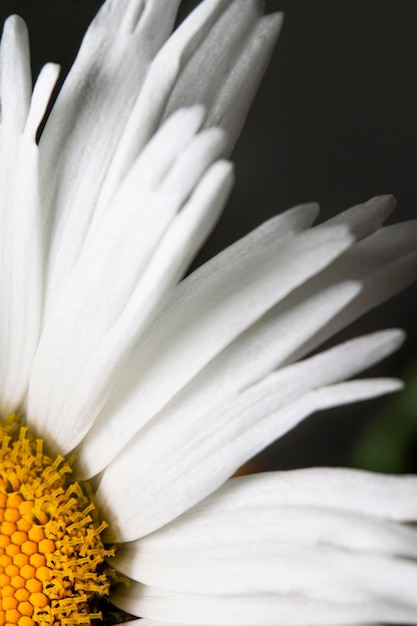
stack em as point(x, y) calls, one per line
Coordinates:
point(52, 558)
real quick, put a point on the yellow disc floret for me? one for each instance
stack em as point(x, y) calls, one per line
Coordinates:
point(52, 569)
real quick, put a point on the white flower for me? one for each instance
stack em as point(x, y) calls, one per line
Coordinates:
point(165, 388)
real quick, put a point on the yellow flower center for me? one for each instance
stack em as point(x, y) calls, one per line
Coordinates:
point(52, 569)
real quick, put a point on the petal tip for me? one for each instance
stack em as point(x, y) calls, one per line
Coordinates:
point(15, 23)
point(386, 201)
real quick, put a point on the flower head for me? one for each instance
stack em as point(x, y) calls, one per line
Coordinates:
point(163, 386)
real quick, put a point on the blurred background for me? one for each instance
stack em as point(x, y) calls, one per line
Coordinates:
point(335, 121)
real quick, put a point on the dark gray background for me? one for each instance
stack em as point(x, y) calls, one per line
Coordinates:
point(335, 121)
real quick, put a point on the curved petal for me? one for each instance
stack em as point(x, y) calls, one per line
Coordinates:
point(249, 358)
point(181, 201)
point(191, 449)
point(15, 75)
point(151, 622)
point(20, 212)
point(227, 42)
point(266, 609)
point(87, 120)
point(244, 550)
point(232, 72)
point(380, 265)
point(383, 264)
point(365, 218)
point(324, 532)
point(265, 566)
point(209, 313)
point(365, 493)
point(92, 137)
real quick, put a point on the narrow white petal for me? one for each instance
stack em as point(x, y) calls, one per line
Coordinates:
point(363, 219)
point(130, 37)
point(270, 567)
point(123, 15)
point(188, 452)
point(383, 264)
point(366, 493)
point(239, 88)
point(127, 235)
point(151, 622)
point(253, 355)
point(42, 91)
point(236, 551)
point(159, 82)
point(232, 72)
point(381, 248)
point(153, 164)
point(211, 313)
point(87, 120)
point(217, 56)
point(107, 326)
point(20, 264)
point(267, 609)
point(15, 74)
point(21, 258)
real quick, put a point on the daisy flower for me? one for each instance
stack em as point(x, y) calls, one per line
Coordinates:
point(114, 369)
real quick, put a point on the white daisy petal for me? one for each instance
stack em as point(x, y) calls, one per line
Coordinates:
point(107, 325)
point(42, 90)
point(213, 456)
point(109, 42)
point(86, 123)
point(15, 74)
point(151, 622)
point(212, 312)
point(381, 248)
point(97, 447)
point(207, 444)
point(244, 551)
point(163, 150)
point(21, 241)
point(231, 74)
point(266, 609)
point(150, 196)
point(365, 493)
point(20, 280)
point(233, 31)
point(267, 566)
point(363, 219)
point(241, 539)
point(250, 357)
point(383, 264)
point(374, 263)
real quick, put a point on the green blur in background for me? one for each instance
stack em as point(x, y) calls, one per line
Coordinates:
point(389, 443)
